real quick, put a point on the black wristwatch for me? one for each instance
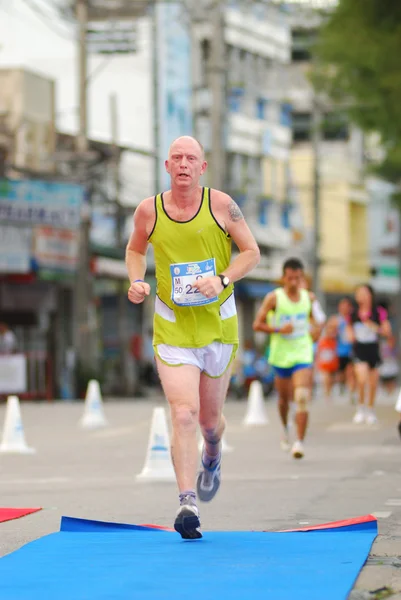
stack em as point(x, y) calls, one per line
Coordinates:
point(224, 280)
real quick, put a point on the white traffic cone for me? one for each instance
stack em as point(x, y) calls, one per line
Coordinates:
point(256, 411)
point(224, 445)
point(13, 441)
point(158, 465)
point(398, 403)
point(93, 417)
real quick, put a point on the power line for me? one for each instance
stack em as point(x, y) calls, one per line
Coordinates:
point(47, 20)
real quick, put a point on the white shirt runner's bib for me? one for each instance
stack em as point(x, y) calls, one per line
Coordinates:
point(300, 323)
point(183, 278)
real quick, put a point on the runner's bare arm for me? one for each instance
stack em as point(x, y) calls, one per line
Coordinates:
point(318, 313)
point(350, 334)
point(135, 255)
point(317, 316)
point(260, 324)
point(385, 329)
point(230, 217)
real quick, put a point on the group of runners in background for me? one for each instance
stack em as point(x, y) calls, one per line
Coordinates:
point(354, 348)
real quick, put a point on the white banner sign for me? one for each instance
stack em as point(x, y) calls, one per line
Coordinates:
point(13, 378)
point(41, 202)
point(56, 248)
point(15, 249)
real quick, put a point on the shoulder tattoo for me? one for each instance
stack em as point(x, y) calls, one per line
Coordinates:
point(234, 211)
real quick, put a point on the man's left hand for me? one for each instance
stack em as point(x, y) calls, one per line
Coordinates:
point(209, 286)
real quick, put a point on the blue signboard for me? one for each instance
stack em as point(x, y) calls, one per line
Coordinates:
point(41, 203)
point(175, 82)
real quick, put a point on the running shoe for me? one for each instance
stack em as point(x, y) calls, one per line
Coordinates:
point(209, 480)
point(371, 418)
point(187, 521)
point(359, 416)
point(284, 443)
point(298, 449)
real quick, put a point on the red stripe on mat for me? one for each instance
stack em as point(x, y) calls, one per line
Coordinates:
point(7, 514)
point(331, 525)
point(335, 524)
point(156, 527)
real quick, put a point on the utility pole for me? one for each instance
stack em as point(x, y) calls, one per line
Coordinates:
point(316, 145)
point(217, 80)
point(82, 19)
point(82, 296)
point(156, 100)
point(123, 340)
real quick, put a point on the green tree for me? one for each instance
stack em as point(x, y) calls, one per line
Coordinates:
point(358, 64)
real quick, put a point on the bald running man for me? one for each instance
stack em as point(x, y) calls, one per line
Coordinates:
point(195, 322)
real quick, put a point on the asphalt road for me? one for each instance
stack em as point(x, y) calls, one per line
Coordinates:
point(348, 471)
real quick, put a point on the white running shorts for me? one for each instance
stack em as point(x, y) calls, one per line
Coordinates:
point(212, 359)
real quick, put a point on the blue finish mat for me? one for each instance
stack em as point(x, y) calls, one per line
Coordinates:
point(90, 560)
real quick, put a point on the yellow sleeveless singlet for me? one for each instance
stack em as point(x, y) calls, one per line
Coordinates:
point(183, 252)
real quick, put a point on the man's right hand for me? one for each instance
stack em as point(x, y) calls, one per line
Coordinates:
point(138, 291)
point(287, 328)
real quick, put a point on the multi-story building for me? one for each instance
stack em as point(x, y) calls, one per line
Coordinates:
point(39, 219)
point(344, 256)
point(258, 135)
point(27, 108)
point(384, 231)
point(41, 206)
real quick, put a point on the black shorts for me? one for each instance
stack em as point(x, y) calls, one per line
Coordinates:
point(388, 378)
point(367, 353)
point(344, 362)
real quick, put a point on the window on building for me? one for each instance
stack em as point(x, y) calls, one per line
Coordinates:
point(261, 105)
point(285, 114)
point(263, 211)
point(204, 59)
point(205, 50)
point(243, 65)
point(235, 98)
point(301, 126)
point(245, 170)
point(236, 178)
point(335, 126)
point(232, 171)
point(286, 216)
point(302, 42)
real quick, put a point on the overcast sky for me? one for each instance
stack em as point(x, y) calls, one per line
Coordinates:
point(47, 46)
point(27, 39)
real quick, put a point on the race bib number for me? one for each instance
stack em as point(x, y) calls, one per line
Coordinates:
point(364, 334)
point(183, 278)
point(300, 323)
point(327, 355)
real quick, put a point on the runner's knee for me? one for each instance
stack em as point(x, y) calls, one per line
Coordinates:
point(302, 397)
point(210, 425)
point(184, 416)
